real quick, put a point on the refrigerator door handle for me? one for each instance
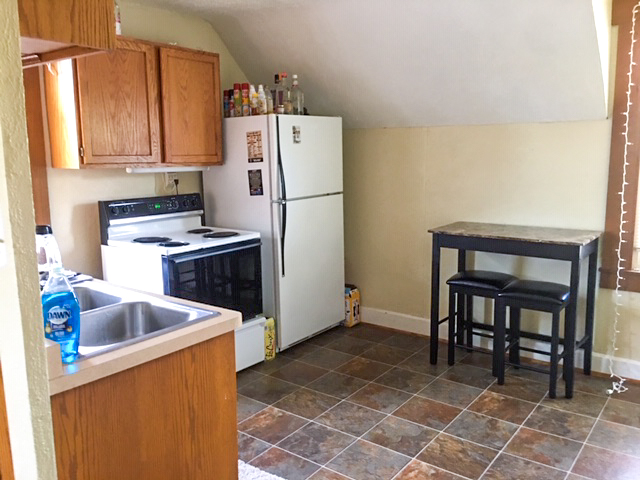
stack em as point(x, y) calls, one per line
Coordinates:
point(283, 198)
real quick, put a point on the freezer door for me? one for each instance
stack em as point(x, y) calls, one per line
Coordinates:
point(310, 156)
point(310, 267)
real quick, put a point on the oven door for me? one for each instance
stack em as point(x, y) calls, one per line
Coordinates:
point(228, 276)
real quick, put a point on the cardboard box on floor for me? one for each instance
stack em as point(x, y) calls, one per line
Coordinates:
point(351, 305)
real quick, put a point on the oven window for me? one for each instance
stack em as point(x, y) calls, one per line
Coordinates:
point(229, 279)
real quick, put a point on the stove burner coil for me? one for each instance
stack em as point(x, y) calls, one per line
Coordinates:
point(200, 230)
point(220, 234)
point(173, 244)
point(151, 239)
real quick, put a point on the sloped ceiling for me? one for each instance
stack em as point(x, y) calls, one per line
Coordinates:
point(410, 63)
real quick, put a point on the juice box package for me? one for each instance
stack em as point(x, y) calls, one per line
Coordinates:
point(351, 305)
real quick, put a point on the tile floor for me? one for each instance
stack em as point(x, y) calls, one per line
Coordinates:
point(365, 404)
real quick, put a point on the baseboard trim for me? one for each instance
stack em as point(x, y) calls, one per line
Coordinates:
point(624, 367)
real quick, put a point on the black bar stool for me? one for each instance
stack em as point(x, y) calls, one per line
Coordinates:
point(532, 295)
point(462, 287)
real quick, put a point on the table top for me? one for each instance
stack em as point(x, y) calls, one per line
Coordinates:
point(558, 236)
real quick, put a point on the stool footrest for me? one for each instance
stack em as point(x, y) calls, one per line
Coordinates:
point(528, 367)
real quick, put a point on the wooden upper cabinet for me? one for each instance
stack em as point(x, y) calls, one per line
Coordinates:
point(141, 104)
point(51, 30)
point(191, 106)
point(119, 105)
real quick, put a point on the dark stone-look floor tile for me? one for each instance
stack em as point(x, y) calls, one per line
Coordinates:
point(452, 393)
point(370, 333)
point(325, 358)
point(458, 456)
point(582, 403)
point(324, 474)
point(306, 403)
point(541, 447)
point(325, 338)
point(591, 384)
point(249, 447)
point(271, 425)
point(632, 394)
point(559, 422)
point(247, 376)
point(269, 366)
point(379, 397)
point(427, 412)
point(468, 375)
point(406, 341)
point(419, 362)
point(401, 436)
point(350, 418)
point(595, 462)
point(619, 411)
point(506, 466)
point(316, 443)
point(299, 373)
point(478, 359)
point(418, 470)
point(386, 354)
point(337, 385)
point(617, 437)
point(300, 350)
point(363, 368)
point(350, 345)
point(573, 476)
point(406, 380)
point(481, 429)
point(521, 388)
point(365, 461)
point(285, 465)
point(508, 409)
point(268, 390)
point(248, 407)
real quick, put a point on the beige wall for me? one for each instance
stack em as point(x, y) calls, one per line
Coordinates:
point(74, 194)
point(401, 182)
point(21, 342)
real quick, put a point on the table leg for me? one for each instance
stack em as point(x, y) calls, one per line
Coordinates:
point(462, 299)
point(570, 327)
point(435, 298)
point(591, 296)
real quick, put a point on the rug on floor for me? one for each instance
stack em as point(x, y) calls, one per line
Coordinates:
point(249, 472)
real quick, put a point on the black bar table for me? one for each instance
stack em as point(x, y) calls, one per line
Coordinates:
point(542, 242)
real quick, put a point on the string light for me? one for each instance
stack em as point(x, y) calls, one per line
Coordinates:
point(617, 385)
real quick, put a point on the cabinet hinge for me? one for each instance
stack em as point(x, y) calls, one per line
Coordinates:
point(81, 151)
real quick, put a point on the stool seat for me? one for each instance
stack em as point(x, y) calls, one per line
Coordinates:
point(494, 281)
point(535, 291)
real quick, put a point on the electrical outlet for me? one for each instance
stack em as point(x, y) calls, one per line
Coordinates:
point(168, 180)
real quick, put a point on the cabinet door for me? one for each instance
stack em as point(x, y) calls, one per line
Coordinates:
point(191, 106)
point(119, 105)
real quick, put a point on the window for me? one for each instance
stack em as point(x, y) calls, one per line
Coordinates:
point(630, 250)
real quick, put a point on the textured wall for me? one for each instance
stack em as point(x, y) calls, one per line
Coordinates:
point(401, 182)
point(21, 342)
point(74, 194)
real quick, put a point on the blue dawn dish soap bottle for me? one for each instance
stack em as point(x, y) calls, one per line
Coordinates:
point(61, 313)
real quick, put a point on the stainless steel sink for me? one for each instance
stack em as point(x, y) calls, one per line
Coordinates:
point(89, 298)
point(112, 317)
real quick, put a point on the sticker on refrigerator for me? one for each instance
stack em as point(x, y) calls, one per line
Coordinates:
point(254, 147)
point(255, 182)
point(296, 134)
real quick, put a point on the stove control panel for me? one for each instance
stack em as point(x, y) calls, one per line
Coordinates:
point(142, 207)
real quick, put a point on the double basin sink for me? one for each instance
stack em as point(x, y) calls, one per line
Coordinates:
point(112, 317)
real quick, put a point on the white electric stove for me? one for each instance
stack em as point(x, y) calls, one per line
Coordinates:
point(159, 245)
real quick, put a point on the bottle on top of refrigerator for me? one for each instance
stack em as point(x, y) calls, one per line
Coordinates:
point(254, 100)
point(246, 108)
point(237, 100)
point(262, 101)
point(225, 103)
point(274, 90)
point(288, 108)
point(279, 98)
point(268, 99)
point(297, 97)
point(232, 105)
point(61, 314)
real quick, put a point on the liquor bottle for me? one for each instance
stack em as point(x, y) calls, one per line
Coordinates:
point(297, 97)
point(288, 108)
point(279, 98)
point(262, 101)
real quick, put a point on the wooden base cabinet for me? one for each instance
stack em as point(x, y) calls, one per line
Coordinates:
point(171, 418)
point(142, 104)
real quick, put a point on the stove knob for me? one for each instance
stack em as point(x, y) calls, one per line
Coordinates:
point(125, 209)
point(194, 202)
point(185, 203)
point(175, 204)
point(114, 210)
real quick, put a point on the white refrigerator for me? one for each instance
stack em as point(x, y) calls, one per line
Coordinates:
point(282, 176)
